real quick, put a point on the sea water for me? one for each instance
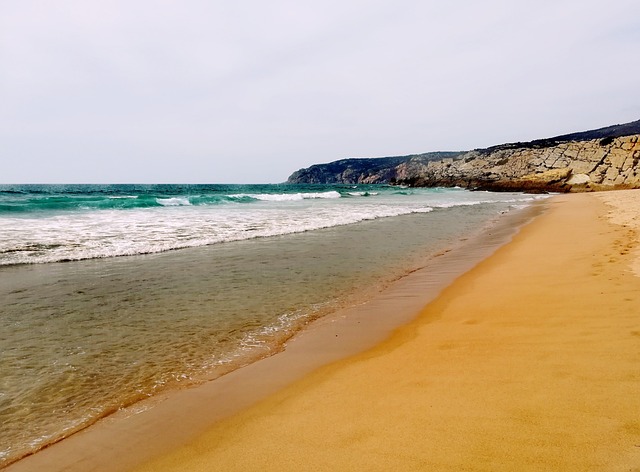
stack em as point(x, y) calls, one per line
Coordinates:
point(112, 293)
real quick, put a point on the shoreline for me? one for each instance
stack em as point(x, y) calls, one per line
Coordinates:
point(526, 362)
point(133, 433)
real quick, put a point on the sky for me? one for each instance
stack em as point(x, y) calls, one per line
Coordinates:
point(212, 91)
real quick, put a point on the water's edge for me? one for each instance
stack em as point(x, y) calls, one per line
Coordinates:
point(151, 427)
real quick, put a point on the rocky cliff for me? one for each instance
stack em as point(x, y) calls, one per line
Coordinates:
point(600, 159)
point(373, 170)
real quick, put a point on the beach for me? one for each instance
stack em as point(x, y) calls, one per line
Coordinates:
point(281, 237)
point(527, 362)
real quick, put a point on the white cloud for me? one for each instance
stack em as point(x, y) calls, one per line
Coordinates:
point(250, 91)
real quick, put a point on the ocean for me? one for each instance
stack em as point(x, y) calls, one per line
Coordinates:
point(114, 293)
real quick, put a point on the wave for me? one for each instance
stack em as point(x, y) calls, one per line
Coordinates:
point(48, 204)
point(288, 197)
point(155, 223)
point(106, 234)
point(64, 203)
point(174, 201)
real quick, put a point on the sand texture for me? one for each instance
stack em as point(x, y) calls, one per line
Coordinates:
point(530, 361)
point(624, 210)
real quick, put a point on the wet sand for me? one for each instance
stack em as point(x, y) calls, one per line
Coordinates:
point(530, 361)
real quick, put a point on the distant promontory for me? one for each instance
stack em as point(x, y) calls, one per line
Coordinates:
point(601, 159)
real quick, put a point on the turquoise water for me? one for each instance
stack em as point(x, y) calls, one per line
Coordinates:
point(214, 277)
point(20, 199)
point(62, 223)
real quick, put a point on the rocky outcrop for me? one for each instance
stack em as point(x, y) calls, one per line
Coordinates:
point(572, 166)
point(362, 171)
point(594, 160)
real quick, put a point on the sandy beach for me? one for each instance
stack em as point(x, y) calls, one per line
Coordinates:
point(527, 362)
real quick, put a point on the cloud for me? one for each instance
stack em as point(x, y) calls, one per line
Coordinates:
point(250, 91)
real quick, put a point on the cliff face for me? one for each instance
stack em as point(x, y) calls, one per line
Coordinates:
point(572, 166)
point(362, 171)
point(594, 160)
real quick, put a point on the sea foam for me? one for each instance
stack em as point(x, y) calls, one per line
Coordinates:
point(182, 221)
point(289, 197)
point(175, 201)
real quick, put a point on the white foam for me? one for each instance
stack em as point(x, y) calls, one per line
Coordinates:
point(109, 233)
point(174, 201)
point(288, 197)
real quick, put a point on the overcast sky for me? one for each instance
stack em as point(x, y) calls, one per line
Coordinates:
point(197, 91)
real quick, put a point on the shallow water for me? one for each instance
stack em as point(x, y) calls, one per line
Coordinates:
point(82, 339)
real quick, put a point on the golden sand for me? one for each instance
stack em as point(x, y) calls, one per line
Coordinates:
point(531, 361)
point(624, 210)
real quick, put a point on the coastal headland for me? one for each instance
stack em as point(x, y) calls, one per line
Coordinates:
point(601, 159)
point(527, 362)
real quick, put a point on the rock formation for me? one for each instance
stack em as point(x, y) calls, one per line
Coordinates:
point(601, 159)
point(374, 170)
